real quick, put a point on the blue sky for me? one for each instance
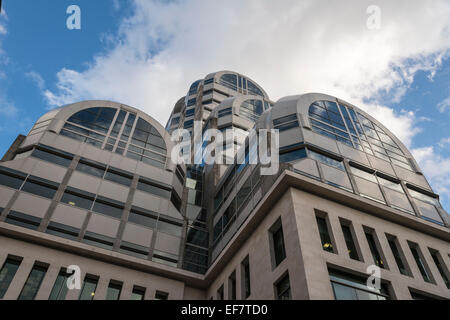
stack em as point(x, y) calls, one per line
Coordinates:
point(146, 53)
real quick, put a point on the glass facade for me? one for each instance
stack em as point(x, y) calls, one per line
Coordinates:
point(7, 274)
point(350, 287)
point(33, 283)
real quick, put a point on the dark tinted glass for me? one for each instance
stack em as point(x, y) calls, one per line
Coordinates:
point(7, 274)
point(77, 200)
point(33, 283)
point(116, 176)
point(349, 242)
point(284, 289)
point(51, 157)
point(89, 168)
point(89, 287)
point(324, 234)
point(11, 181)
point(278, 246)
point(153, 188)
point(108, 209)
point(39, 189)
point(113, 292)
point(60, 288)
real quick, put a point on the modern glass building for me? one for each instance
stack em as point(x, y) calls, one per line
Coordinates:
point(93, 185)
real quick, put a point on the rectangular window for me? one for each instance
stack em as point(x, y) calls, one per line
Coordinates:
point(374, 248)
point(7, 273)
point(89, 286)
point(324, 233)
point(59, 159)
point(154, 188)
point(138, 293)
point(246, 284)
point(349, 240)
point(23, 220)
point(286, 123)
point(62, 230)
point(33, 283)
point(293, 155)
point(60, 288)
point(98, 240)
point(11, 179)
point(420, 261)
point(283, 288)
point(398, 254)
point(40, 187)
point(326, 160)
point(159, 295)
point(134, 250)
point(114, 289)
point(170, 227)
point(91, 168)
point(277, 238)
point(108, 207)
point(232, 286)
point(220, 295)
point(119, 176)
point(350, 287)
point(440, 265)
point(78, 198)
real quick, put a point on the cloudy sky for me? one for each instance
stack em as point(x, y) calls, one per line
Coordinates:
point(146, 53)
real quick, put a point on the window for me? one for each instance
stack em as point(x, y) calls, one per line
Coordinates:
point(98, 240)
point(134, 250)
point(49, 156)
point(225, 112)
point(161, 295)
point(286, 123)
point(276, 235)
point(62, 230)
point(98, 119)
point(154, 188)
point(292, 156)
point(245, 271)
point(420, 261)
point(350, 287)
point(440, 265)
point(188, 124)
point(119, 176)
point(220, 295)
point(138, 293)
point(232, 286)
point(370, 236)
point(283, 288)
point(40, 187)
point(349, 240)
point(91, 168)
point(108, 207)
point(78, 198)
point(7, 273)
point(143, 217)
point(326, 160)
point(229, 81)
point(190, 112)
point(325, 237)
point(23, 220)
point(89, 287)
point(12, 179)
point(33, 283)
point(60, 288)
point(170, 227)
point(114, 289)
point(398, 255)
point(251, 109)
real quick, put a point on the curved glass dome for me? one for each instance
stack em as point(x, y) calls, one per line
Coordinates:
point(342, 123)
point(118, 131)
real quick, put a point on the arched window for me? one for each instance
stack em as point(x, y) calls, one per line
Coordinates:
point(229, 80)
point(251, 109)
point(342, 123)
point(90, 125)
point(253, 89)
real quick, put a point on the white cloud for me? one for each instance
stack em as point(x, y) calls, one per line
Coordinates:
point(7, 108)
point(288, 47)
point(444, 105)
point(435, 167)
point(36, 78)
